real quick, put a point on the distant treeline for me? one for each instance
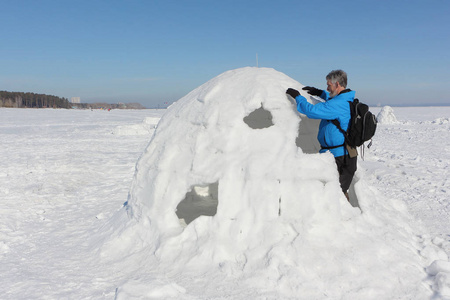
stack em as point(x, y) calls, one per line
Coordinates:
point(20, 99)
point(32, 100)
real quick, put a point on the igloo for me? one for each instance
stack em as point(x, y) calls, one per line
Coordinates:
point(231, 190)
point(234, 150)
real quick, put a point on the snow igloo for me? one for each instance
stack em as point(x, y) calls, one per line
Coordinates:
point(231, 185)
point(233, 157)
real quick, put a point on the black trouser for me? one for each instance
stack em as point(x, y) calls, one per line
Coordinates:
point(346, 167)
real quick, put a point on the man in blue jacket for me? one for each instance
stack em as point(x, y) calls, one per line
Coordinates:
point(336, 106)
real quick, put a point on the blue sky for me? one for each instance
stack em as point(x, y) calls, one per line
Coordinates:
point(153, 52)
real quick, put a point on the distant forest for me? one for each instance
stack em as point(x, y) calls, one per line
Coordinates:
point(32, 100)
point(19, 99)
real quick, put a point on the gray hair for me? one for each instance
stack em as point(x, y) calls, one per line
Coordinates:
point(338, 76)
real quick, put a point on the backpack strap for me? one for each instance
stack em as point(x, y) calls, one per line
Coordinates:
point(332, 147)
point(336, 123)
point(352, 113)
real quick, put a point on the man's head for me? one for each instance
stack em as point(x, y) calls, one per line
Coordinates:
point(336, 82)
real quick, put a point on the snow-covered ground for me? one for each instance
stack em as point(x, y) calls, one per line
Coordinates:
point(410, 161)
point(65, 173)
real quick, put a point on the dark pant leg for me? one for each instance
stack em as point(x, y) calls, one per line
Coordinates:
point(346, 167)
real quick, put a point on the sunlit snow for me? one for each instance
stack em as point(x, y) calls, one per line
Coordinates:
point(225, 197)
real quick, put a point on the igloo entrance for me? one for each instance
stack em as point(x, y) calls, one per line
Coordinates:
point(202, 200)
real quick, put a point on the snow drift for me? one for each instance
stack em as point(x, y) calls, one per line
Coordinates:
point(146, 127)
point(231, 188)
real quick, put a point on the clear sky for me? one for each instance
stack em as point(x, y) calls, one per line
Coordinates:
point(395, 52)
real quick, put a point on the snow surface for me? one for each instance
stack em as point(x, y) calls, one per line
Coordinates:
point(280, 229)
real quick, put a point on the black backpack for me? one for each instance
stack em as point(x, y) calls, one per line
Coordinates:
point(361, 127)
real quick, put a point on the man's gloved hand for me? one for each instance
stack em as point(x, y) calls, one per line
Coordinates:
point(293, 93)
point(313, 91)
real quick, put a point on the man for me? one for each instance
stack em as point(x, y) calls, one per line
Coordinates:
point(336, 106)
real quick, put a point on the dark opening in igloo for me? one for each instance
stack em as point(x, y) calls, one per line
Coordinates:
point(259, 119)
point(307, 136)
point(202, 200)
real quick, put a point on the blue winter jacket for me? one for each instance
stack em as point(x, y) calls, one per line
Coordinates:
point(333, 108)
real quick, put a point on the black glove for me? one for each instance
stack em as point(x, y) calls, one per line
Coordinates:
point(313, 91)
point(293, 93)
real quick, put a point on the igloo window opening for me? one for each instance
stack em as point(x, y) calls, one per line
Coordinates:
point(259, 119)
point(307, 136)
point(202, 200)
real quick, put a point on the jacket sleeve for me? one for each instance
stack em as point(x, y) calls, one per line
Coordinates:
point(321, 110)
point(325, 95)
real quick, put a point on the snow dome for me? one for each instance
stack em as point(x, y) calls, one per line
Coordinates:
point(231, 186)
point(386, 116)
point(234, 149)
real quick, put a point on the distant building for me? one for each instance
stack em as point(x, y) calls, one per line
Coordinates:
point(75, 100)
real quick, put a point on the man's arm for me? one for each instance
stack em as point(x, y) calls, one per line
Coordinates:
point(321, 110)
